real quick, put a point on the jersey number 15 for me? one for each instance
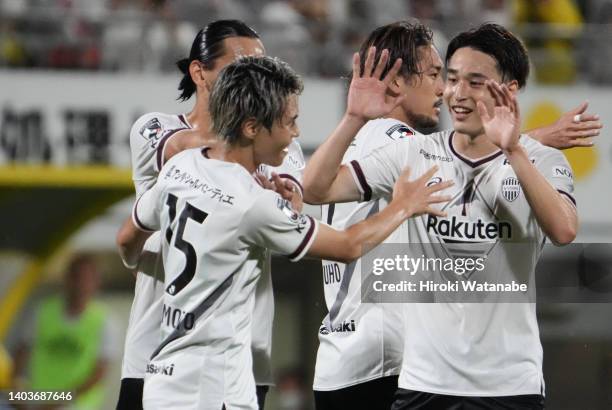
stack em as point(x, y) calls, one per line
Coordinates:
point(189, 212)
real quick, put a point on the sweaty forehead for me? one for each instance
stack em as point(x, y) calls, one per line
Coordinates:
point(468, 61)
point(243, 46)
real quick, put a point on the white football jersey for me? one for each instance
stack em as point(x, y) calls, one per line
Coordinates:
point(358, 342)
point(471, 349)
point(147, 140)
point(148, 137)
point(216, 223)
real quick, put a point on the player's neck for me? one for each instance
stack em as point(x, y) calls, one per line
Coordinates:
point(199, 117)
point(399, 114)
point(473, 147)
point(238, 154)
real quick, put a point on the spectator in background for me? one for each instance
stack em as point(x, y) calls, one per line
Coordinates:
point(70, 341)
point(552, 46)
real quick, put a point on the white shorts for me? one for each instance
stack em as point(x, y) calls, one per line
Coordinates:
point(200, 378)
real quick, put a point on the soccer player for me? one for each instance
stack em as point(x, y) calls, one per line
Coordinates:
point(444, 344)
point(360, 350)
point(154, 138)
point(369, 337)
point(216, 222)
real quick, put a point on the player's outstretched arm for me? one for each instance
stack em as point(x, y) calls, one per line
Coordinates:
point(410, 198)
point(325, 180)
point(575, 128)
point(555, 214)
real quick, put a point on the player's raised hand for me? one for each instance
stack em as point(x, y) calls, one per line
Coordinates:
point(575, 128)
point(367, 96)
point(285, 188)
point(288, 191)
point(502, 124)
point(418, 195)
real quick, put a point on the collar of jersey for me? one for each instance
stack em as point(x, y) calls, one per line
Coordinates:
point(473, 163)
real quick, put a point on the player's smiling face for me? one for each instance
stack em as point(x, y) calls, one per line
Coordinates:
point(271, 146)
point(467, 71)
point(424, 92)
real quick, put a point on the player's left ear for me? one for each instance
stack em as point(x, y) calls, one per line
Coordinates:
point(250, 128)
point(513, 86)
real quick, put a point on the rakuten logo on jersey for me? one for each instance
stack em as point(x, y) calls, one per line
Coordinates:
point(345, 326)
point(466, 230)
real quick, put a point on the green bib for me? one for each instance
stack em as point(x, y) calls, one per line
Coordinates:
point(65, 352)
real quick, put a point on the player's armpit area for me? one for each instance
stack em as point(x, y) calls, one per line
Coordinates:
point(342, 189)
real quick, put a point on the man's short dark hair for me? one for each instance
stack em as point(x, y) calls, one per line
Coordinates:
point(402, 39)
point(207, 48)
point(496, 41)
point(251, 87)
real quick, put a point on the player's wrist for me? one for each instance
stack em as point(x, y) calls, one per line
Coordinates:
point(514, 152)
point(400, 208)
point(354, 119)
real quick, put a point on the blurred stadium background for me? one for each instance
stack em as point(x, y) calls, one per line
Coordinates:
point(75, 74)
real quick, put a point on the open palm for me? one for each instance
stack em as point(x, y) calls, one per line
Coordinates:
point(367, 97)
point(502, 124)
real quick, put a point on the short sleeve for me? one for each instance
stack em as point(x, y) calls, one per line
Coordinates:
point(145, 213)
point(555, 168)
point(376, 173)
point(270, 222)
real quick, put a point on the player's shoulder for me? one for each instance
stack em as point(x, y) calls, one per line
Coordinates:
point(440, 137)
point(379, 133)
point(266, 204)
point(159, 119)
point(386, 128)
point(149, 128)
point(231, 175)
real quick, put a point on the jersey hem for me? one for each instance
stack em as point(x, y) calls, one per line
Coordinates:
point(355, 382)
point(132, 376)
point(467, 394)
